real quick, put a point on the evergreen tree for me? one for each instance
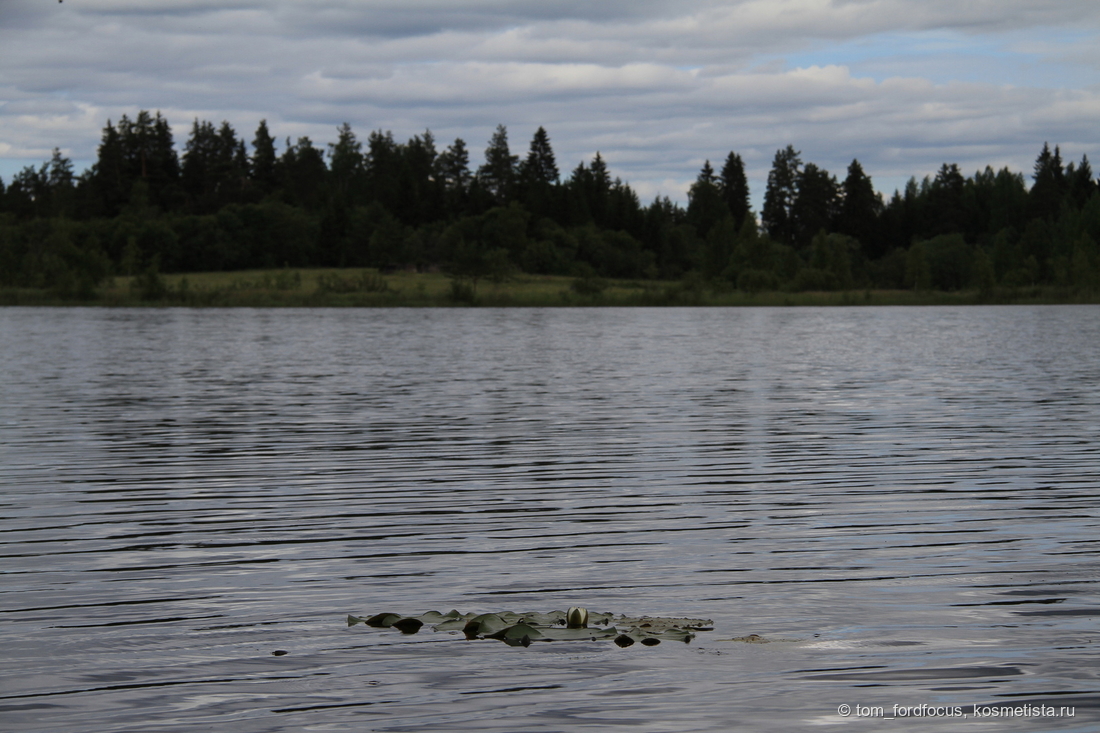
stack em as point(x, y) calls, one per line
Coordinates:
point(383, 164)
point(453, 170)
point(304, 174)
point(136, 138)
point(588, 194)
point(345, 163)
point(200, 164)
point(860, 208)
point(498, 174)
point(780, 195)
point(422, 196)
point(215, 166)
point(28, 195)
point(162, 165)
point(598, 190)
point(540, 166)
point(453, 165)
point(58, 177)
point(538, 177)
point(110, 179)
point(264, 160)
point(231, 171)
point(165, 160)
point(735, 189)
point(1008, 202)
point(816, 203)
point(706, 206)
point(1049, 188)
point(1080, 184)
point(947, 212)
point(624, 209)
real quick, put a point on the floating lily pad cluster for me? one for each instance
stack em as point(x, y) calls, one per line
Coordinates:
point(521, 629)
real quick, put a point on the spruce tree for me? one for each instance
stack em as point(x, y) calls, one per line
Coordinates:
point(498, 174)
point(540, 166)
point(706, 206)
point(109, 180)
point(452, 168)
point(947, 212)
point(735, 189)
point(1080, 185)
point(860, 208)
point(1045, 199)
point(263, 161)
point(345, 162)
point(816, 203)
point(538, 177)
point(780, 195)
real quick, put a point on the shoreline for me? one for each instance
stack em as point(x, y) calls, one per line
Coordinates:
point(366, 288)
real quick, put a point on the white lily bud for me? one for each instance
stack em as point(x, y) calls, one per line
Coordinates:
point(576, 618)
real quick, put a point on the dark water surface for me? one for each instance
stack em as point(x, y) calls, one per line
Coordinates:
point(906, 499)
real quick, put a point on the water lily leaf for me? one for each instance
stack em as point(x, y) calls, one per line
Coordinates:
point(543, 619)
point(653, 637)
point(408, 625)
point(757, 639)
point(682, 635)
point(517, 632)
point(520, 629)
point(484, 625)
point(454, 624)
point(557, 633)
point(382, 620)
point(432, 617)
point(658, 623)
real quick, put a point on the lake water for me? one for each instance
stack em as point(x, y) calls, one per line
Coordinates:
point(905, 501)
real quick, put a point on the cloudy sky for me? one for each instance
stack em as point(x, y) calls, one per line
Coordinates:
point(656, 86)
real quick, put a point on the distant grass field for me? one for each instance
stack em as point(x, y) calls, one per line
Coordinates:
point(368, 288)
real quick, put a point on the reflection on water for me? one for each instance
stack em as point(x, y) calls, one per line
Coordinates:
point(909, 496)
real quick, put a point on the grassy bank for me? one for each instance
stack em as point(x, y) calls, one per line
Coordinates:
point(368, 288)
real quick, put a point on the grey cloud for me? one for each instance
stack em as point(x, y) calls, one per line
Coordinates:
point(656, 87)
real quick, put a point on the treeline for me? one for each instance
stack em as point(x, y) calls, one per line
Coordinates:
point(227, 205)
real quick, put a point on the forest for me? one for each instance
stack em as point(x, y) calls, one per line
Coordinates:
point(224, 205)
